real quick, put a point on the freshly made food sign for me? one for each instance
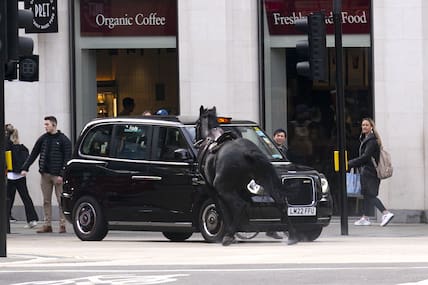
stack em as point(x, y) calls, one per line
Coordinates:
point(282, 14)
point(347, 18)
point(128, 18)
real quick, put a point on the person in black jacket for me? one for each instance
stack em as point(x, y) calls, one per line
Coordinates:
point(369, 147)
point(54, 149)
point(7, 144)
point(16, 181)
point(279, 137)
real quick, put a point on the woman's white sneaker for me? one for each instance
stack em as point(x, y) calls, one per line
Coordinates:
point(386, 219)
point(31, 225)
point(363, 222)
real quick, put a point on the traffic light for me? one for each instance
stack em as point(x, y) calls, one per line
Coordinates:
point(10, 70)
point(2, 29)
point(29, 68)
point(16, 19)
point(312, 52)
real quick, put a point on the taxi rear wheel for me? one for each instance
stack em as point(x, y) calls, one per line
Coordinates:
point(89, 223)
point(174, 236)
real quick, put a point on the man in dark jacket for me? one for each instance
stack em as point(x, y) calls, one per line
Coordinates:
point(279, 137)
point(54, 149)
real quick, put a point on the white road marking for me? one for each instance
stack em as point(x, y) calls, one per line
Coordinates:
point(125, 279)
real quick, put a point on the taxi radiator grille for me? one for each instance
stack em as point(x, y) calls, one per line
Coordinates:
point(299, 190)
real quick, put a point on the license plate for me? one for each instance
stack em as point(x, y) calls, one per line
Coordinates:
point(302, 211)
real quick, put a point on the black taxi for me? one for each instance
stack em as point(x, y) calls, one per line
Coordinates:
point(141, 174)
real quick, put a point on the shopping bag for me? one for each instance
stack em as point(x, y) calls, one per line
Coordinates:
point(353, 184)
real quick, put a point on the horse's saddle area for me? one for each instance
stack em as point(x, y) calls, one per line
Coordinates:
point(215, 145)
point(212, 146)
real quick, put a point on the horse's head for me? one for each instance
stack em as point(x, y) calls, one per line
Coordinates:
point(207, 121)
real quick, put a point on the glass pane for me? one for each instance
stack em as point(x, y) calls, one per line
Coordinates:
point(97, 141)
point(131, 142)
point(170, 140)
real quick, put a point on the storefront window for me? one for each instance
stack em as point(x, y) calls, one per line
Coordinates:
point(306, 108)
point(148, 76)
point(124, 49)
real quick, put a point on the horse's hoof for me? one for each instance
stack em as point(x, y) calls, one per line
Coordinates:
point(292, 241)
point(228, 240)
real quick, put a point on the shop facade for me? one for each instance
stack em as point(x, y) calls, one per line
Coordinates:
point(306, 109)
point(239, 56)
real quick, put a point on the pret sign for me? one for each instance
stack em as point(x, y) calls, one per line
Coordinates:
point(45, 16)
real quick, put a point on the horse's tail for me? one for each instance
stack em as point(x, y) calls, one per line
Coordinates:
point(264, 172)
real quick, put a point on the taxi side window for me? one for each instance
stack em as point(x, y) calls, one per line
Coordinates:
point(97, 141)
point(131, 142)
point(170, 139)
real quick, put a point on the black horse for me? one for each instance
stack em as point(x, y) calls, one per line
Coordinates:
point(232, 167)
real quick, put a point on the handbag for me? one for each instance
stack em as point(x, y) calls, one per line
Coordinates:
point(353, 183)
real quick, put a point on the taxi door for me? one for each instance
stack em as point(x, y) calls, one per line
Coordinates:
point(128, 172)
point(172, 168)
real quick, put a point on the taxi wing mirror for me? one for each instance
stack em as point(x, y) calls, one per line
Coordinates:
point(182, 154)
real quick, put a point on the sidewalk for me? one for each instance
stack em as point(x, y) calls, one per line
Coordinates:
point(375, 230)
point(19, 228)
point(395, 243)
point(333, 230)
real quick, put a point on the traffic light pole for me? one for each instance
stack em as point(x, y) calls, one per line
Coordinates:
point(3, 213)
point(340, 116)
point(3, 219)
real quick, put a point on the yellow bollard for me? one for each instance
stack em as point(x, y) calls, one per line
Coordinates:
point(336, 160)
point(8, 159)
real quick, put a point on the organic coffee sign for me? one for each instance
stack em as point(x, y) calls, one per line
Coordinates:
point(128, 18)
point(45, 16)
point(282, 14)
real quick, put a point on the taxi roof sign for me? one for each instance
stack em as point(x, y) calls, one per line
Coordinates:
point(224, 120)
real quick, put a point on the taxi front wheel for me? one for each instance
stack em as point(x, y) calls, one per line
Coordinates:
point(210, 222)
point(308, 234)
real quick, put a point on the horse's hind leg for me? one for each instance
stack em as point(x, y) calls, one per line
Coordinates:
point(227, 221)
point(283, 208)
point(235, 207)
point(292, 234)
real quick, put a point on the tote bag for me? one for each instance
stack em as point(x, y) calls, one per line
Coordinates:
point(353, 184)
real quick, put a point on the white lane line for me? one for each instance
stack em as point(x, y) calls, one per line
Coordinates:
point(125, 279)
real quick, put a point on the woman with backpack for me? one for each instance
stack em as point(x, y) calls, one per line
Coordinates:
point(15, 181)
point(370, 147)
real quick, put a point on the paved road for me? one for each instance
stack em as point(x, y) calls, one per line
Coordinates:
point(372, 255)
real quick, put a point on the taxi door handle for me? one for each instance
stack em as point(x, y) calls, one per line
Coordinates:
point(146, 178)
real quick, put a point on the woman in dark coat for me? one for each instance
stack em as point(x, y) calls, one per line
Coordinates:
point(369, 147)
point(15, 181)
